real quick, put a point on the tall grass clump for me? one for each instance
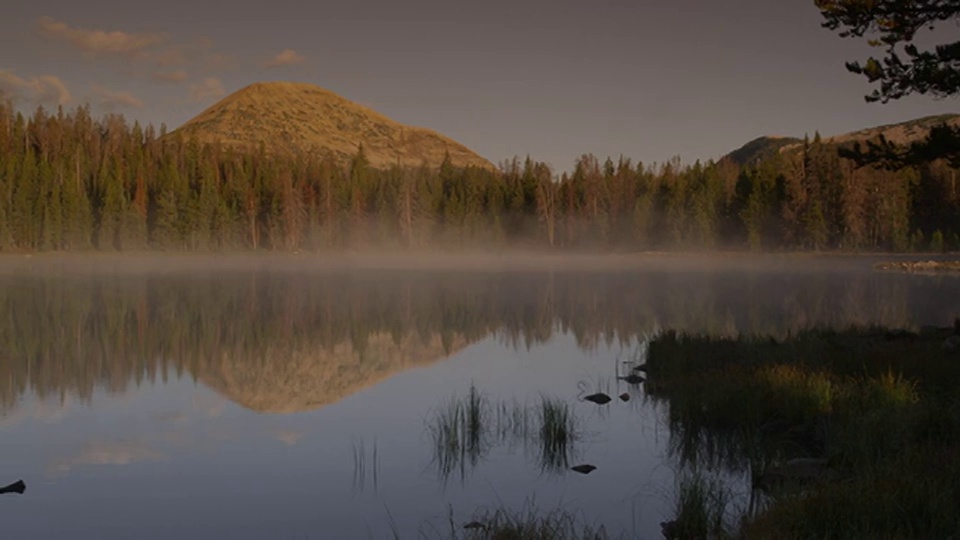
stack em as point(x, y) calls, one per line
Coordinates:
point(557, 433)
point(700, 509)
point(459, 429)
point(529, 524)
point(464, 429)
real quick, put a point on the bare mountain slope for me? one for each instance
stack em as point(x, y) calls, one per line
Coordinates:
point(901, 133)
point(298, 117)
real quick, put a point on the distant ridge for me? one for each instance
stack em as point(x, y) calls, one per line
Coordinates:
point(759, 149)
point(898, 133)
point(299, 118)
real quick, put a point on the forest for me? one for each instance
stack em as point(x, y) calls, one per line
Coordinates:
point(70, 182)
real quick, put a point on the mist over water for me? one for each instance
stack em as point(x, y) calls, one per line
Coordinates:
point(288, 396)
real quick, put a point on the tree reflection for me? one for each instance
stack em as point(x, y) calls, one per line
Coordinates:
point(279, 342)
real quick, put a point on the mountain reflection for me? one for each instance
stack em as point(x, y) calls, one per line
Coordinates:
point(286, 341)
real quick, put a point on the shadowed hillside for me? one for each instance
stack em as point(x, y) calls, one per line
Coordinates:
point(298, 117)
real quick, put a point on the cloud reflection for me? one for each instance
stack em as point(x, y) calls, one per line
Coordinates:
point(119, 452)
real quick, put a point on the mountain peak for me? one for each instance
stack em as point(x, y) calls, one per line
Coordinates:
point(299, 117)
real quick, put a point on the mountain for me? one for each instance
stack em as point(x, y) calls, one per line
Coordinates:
point(298, 117)
point(289, 379)
point(900, 133)
point(760, 148)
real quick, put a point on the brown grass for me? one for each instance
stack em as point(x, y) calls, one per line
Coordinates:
point(298, 117)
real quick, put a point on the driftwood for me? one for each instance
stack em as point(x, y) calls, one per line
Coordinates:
point(17, 487)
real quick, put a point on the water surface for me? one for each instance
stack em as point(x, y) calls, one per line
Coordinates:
point(294, 400)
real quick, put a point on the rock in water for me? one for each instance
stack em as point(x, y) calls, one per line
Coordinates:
point(17, 487)
point(599, 398)
point(583, 469)
point(624, 397)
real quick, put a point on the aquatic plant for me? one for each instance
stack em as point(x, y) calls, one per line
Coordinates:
point(700, 509)
point(527, 523)
point(465, 429)
point(460, 432)
point(557, 433)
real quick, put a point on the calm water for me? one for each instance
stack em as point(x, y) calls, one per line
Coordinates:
point(252, 402)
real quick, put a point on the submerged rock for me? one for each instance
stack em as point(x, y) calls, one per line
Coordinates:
point(624, 397)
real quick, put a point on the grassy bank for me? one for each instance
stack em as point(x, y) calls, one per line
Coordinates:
point(920, 267)
point(845, 434)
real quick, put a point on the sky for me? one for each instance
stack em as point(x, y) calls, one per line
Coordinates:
point(555, 79)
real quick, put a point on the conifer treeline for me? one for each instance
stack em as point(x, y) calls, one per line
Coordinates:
point(71, 182)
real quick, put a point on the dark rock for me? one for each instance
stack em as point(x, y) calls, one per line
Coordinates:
point(583, 469)
point(599, 398)
point(17, 487)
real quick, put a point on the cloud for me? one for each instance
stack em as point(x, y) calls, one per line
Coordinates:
point(107, 453)
point(110, 99)
point(286, 57)
point(44, 89)
point(100, 41)
point(207, 89)
point(175, 76)
point(152, 49)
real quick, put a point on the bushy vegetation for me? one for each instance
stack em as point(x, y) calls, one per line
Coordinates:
point(851, 434)
point(70, 182)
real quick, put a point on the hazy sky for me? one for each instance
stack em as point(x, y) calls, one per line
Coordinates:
point(552, 79)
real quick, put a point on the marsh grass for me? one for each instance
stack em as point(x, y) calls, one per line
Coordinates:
point(460, 432)
point(880, 408)
point(700, 509)
point(557, 434)
point(466, 428)
point(528, 523)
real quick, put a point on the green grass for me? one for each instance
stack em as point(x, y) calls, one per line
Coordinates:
point(880, 408)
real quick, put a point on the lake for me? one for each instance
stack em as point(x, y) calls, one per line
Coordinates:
point(299, 397)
